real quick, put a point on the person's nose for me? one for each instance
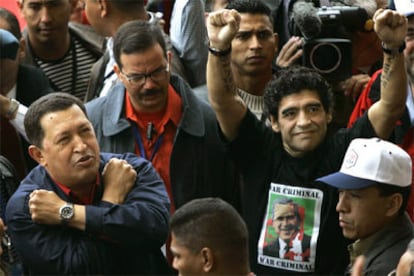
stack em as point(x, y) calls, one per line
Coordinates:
point(255, 43)
point(304, 119)
point(149, 83)
point(45, 14)
point(79, 144)
point(342, 206)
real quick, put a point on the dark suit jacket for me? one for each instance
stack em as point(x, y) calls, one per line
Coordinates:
point(32, 83)
point(272, 249)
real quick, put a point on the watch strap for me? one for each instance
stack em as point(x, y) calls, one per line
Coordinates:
point(218, 52)
point(393, 51)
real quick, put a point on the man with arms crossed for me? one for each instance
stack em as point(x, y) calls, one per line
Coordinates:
point(81, 211)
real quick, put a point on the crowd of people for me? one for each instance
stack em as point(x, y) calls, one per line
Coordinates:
point(189, 137)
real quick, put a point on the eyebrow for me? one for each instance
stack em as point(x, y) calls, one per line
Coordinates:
point(145, 74)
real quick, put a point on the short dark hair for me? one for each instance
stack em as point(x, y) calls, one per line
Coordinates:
point(11, 19)
point(251, 7)
point(137, 36)
point(57, 101)
point(387, 190)
point(128, 6)
point(211, 222)
point(292, 80)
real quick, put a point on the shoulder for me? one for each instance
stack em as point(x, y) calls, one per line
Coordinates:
point(134, 160)
point(33, 79)
point(87, 35)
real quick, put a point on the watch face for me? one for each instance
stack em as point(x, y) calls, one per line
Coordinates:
point(66, 212)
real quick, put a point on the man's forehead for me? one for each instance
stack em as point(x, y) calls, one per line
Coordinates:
point(299, 99)
point(255, 21)
point(63, 115)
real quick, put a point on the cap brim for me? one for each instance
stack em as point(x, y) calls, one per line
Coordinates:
point(346, 181)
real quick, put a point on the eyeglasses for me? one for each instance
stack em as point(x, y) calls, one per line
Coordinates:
point(140, 79)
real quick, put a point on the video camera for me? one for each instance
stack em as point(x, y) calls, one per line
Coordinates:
point(327, 32)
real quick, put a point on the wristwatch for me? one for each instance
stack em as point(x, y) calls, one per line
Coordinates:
point(66, 212)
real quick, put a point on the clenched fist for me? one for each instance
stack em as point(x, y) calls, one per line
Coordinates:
point(222, 26)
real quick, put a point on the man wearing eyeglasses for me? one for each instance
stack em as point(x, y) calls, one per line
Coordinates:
point(156, 115)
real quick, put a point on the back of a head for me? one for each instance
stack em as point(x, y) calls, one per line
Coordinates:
point(52, 102)
point(212, 223)
point(128, 6)
point(294, 79)
point(12, 21)
point(250, 7)
point(137, 36)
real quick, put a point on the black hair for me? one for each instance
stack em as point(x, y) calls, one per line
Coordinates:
point(387, 190)
point(292, 80)
point(213, 223)
point(52, 102)
point(137, 36)
point(251, 7)
point(11, 19)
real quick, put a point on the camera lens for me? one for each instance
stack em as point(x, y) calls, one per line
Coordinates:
point(325, 57)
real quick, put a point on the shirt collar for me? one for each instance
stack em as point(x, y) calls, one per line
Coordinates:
point(172, 112)
point(82, 200)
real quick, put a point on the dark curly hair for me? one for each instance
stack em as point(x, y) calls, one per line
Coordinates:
point(294, 79)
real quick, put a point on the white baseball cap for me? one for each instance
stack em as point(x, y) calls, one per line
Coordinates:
point(405, 7)
point(371, 161)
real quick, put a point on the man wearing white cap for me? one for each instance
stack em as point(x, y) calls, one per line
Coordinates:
point(374, 183)
point(403, 134)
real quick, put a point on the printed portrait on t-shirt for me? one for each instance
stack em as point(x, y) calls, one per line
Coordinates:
point(290, 228)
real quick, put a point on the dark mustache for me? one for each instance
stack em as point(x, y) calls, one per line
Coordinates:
point(288, 228)
point(149, 92)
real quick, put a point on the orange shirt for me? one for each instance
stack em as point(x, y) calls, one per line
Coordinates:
point(165, 124)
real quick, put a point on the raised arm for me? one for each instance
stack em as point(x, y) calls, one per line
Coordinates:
point(230, 109)
point(391, 28)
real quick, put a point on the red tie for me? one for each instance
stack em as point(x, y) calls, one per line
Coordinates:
point(11, 148)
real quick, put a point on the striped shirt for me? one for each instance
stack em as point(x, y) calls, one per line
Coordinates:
point(62, 74)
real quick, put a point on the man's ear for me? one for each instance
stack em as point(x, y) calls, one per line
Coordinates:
point(169, 57)
point(117, 70)
point(274, 123)
point(73, 5)
point(37, 155)
point(19, 5)
point(103, 7)
point(394, 203)
point(208, 259)
point(22, 49)
point(329, 116)
point(276, 43)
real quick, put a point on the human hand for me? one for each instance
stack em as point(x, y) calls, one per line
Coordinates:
point(358, 266)
point(290, 52)
point(44, 207)
point(119, 177)
point(222, 26)
point(406, 261)
point(4, 105)
point(2, 230)
point(354, 85)
point(391, 27)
